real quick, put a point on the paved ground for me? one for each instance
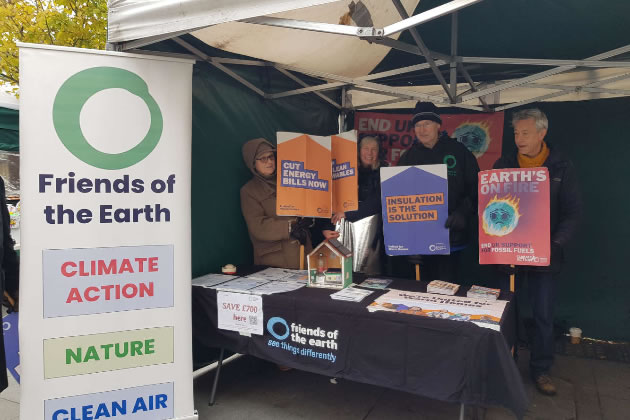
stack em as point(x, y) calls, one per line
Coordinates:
point(253, 389)
point(10, 401)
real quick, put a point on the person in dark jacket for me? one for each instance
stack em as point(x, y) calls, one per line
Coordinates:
point(530, 128)
point(433, 147)
point(9, 273)
point(369, 184)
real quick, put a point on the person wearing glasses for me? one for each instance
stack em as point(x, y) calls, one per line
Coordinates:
point(276, 239)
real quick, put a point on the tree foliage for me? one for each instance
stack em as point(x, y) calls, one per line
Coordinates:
point(55, 22)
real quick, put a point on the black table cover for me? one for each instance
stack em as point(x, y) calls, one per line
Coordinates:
point(441, 359)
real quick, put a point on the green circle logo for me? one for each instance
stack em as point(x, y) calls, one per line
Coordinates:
point(450, 161)
point(73, 95)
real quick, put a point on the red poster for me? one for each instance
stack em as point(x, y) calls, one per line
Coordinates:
point(481, 133)
point(514, 216)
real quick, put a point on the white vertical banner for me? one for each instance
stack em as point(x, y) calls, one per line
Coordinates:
point(105, 321)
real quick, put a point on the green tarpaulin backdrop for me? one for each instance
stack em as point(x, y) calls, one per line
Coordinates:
point(9, 128)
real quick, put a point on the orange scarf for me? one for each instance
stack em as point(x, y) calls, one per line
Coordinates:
point(535, 162)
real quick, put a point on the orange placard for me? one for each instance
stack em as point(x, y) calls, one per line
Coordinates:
point(345, 196)
point(304, 175)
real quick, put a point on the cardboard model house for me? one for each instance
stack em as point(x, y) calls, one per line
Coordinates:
point(330, 265)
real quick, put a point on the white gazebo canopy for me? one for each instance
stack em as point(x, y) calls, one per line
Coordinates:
point(342, 42)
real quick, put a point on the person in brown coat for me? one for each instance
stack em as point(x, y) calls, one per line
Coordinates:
point(276, 239)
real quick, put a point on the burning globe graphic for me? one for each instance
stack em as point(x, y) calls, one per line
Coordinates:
point(501, 215)
point(475, 136)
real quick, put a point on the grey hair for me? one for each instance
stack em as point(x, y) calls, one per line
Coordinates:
point(536, 114)
point(369, 139)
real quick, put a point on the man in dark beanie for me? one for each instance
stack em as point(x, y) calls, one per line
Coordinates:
point(433, 147)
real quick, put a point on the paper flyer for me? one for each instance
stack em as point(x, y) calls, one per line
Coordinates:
point(280, 274)
point(482, 312)
point(514, 217)
point(276, 287)
point(415, 208)
point(304, 176)
point(240, 284)
point(212, 279)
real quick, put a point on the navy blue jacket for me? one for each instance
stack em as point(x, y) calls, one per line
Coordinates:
point(565, 201)
point(462, 170)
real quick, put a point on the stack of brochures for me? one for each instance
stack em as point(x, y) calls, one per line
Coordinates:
point(265, 282)
point(481, 292)
point(351, 294)
point(276, 287)
point(373, 283)
point(280, 274)
point(212, 280)
point(442, 287)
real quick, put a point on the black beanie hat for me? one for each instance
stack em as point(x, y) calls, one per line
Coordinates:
point(426, 111)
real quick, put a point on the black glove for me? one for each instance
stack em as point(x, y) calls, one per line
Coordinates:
point(304, 222)
point(414, 259)
point(456, 221)
point(299, 229)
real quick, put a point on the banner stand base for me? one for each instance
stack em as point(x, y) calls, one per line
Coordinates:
point(194, 416)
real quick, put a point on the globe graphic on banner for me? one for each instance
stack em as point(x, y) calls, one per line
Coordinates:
point(475, 136)
point(501, 215)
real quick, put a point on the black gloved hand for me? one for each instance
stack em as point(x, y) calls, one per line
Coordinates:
point(299, 229)
point(456, 221)
point(415, 259)
point(304, 222)
point(299, 234)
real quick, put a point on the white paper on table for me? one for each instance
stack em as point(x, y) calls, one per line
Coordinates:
point(212, 279)
point(241, 312)
point(277, 287)
point(240, 284)
point(375, 283)
point(279, 274)
point(351, 294)
point(299, 277)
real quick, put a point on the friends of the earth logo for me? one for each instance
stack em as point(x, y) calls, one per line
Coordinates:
point(316, 339)
point(75, 92)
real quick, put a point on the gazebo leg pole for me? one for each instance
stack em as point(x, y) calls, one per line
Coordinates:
point(216, 378)
point(462, 410)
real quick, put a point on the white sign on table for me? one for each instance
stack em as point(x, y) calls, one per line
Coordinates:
point(240, 312)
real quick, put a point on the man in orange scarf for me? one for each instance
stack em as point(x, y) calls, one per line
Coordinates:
point(530, 129)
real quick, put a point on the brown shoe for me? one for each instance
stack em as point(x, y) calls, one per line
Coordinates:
point(545, 385)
